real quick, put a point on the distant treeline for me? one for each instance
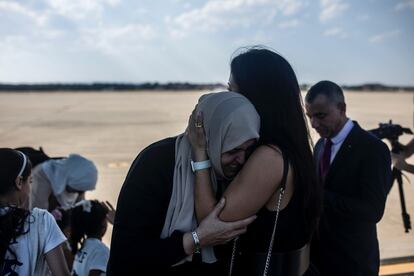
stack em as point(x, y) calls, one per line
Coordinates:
point(378, 87)
point(370, 87)
point(49, 87)
point(170, 86)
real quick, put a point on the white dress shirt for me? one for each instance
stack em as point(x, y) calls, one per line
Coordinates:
point(339, 138)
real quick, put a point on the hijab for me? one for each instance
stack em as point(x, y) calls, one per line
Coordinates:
point(75, 171)
point(229, 120)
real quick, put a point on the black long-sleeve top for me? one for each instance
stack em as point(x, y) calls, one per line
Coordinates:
point(136, 246)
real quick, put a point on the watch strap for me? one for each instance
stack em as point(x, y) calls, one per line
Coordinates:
point(196, 166)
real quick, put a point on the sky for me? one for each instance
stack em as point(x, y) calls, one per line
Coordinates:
point(347, 41)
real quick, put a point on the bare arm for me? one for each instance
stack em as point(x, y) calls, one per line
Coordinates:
point(250, 190)
point(204, 196)
point(254, 185)
point(213, 231)
point(68, 256)
point(56, 261)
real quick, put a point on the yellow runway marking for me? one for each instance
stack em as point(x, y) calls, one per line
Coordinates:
point(397, 269)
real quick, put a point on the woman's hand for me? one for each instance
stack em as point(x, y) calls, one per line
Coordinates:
point(212, 230)
point(195, 133)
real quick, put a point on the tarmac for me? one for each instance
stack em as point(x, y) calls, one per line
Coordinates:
point(111, 128)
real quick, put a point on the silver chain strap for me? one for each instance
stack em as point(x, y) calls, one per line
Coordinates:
point(269, 252)
point(233, 256)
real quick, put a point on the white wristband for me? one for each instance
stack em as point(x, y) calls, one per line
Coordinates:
point(196, 166)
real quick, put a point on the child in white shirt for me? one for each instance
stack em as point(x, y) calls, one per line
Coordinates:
point(88, 226)
point(30, 241)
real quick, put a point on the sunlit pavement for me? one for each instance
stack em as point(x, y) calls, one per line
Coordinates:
point(111, 128)
point(397, 266)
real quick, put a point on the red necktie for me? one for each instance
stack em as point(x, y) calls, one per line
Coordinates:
point(325, 161)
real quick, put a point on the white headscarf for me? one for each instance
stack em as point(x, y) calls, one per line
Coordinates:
point(229, 120)
point(76, 171)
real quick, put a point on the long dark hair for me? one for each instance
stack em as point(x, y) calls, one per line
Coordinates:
point(12, 218)
point(270, 83)
point(86, 223)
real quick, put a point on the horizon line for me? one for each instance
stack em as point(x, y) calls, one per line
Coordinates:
point(158, 83)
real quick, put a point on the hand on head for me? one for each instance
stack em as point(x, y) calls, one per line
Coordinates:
point(195, 131)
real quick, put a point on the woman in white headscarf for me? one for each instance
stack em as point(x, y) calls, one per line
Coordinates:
point(155, 228)
point(62, 182)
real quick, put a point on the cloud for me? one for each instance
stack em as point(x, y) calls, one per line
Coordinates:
point(79, 9)
point(113, 40)
point(73, 9)
point(363, 17)
point(289, 24)
point(331, 9)
point(335, 32)
point(290, 7)
point(404, 5)
point(113, 3)
point(11, 47)
point(218, 14)
point(384, 36)
point(15, 7)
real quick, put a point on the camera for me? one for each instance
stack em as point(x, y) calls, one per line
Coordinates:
point(391, 132)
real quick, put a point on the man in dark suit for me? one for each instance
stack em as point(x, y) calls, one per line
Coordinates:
point(355, 170)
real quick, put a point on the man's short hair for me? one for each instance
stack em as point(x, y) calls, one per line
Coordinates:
point(330, 89)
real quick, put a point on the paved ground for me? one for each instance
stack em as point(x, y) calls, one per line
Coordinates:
point(111, 128)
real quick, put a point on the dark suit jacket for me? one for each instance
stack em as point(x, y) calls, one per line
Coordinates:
point(355, 191)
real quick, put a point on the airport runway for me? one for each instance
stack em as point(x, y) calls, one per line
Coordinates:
point(112, 127)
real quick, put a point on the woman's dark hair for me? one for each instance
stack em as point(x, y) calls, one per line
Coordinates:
point(85, 224)
point(12, 218)
point(269, 82)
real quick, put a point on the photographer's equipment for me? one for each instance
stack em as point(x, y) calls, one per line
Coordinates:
point(392, 132)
